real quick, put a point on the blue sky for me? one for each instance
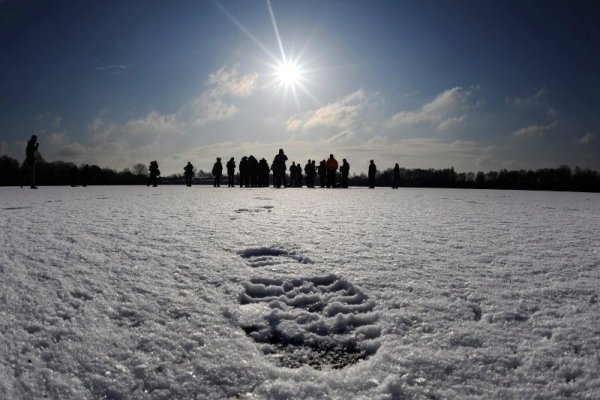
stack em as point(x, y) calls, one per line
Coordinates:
point(470, 84)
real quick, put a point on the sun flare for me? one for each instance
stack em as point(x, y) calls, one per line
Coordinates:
point(288, 74)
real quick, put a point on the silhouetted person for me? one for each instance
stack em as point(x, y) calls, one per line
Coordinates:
point(217, 171)
point(299, 176)
point(84, 175)
point(309, 171)
point(293, 175)
point(244, 172)
point(372, 172)
point(32, 147)
point(396, 176)
point(230, 172)
point(154, 174)
point(263, 173)
point(73, 173)
point(331, 166)
point(322, 170)
point(253, 170)
point(278, 167)
point(189, 173)
point(345, 170)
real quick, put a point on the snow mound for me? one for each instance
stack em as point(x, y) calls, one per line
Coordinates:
point(324, 322)
point(274, 255)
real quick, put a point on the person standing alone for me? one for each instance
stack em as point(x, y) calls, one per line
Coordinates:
point(372, 172)
point(32, 147)
point(189, 174)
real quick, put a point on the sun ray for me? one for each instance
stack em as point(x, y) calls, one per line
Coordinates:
point(276, 29)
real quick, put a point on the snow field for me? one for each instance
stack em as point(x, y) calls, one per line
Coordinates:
point(174, 292)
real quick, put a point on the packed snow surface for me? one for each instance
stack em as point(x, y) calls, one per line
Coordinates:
point(195, 293)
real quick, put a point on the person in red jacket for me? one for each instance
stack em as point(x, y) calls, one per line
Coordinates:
point(331, 166)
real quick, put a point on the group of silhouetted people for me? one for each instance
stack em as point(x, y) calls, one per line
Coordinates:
point(252, 172)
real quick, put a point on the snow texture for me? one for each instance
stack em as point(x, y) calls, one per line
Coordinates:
point(196, 293)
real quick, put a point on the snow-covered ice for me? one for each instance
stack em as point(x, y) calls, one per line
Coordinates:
point(175, 292)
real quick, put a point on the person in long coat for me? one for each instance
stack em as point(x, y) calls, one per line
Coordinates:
point(396, 176)
point(217, 172)
point(372, 172)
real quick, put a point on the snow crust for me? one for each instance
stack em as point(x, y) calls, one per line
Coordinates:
point(175, 292)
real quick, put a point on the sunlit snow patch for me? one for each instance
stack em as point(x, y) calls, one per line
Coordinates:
point(324, 322)
point(265, 256)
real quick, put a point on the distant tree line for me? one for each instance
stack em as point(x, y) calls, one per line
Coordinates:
point(561, 178)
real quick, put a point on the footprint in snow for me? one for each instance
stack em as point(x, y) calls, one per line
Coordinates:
point(324, 322)
point(267, 256)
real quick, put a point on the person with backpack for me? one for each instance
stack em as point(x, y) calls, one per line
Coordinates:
point(154, 174)
point(188, 173)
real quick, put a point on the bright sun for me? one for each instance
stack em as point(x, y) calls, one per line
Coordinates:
point(288, 74)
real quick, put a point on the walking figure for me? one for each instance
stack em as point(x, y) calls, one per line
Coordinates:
point(396, 176)
point(372, 172)
point(189, 174)
point(154, 174)
point(217, 171)
point(230, 172)
point(345, 170)
point(32, 147)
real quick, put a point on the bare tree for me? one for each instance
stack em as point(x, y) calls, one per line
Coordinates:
point(140, 169)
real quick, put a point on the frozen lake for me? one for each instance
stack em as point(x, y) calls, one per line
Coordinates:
point(175, 292)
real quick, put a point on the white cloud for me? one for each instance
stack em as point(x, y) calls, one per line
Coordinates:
point(57, 137)
point(535, 100)
point(228, 81)
point(153, 124)
point(343, 113)
point(209, 109)
point(586, 139)
point(378, 140)
point(215, 104)
point(293, 124)
point(451, 123)
point(534, 130)
point(444, 112)
point(73, 151)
